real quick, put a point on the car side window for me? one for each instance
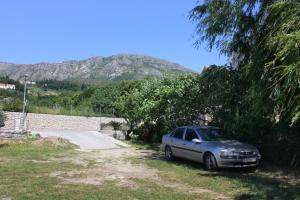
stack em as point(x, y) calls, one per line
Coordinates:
point(179, 133)
point(190, 135)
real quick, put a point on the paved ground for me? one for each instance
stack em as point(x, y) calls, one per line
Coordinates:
point(86, 140)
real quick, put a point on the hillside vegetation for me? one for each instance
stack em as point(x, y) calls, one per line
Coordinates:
point(63, 97)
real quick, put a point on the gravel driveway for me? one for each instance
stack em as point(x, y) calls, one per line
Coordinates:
point(86, 140)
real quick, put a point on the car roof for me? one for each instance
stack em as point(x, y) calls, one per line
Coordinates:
point(197, 126)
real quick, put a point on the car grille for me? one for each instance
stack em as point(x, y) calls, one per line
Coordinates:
point(247, 154)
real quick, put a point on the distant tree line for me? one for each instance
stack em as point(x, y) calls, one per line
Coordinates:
point(7, 80)
point(59, 85)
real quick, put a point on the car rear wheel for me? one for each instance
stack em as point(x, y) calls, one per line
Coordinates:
point(210, 162)
point(168, 153)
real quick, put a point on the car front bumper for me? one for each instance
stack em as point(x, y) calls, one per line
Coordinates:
point(238, 163)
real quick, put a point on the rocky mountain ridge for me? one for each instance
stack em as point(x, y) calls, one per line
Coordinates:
point(116, 67)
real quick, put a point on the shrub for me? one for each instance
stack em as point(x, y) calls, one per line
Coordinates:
point(2, 118)
point(115, 125)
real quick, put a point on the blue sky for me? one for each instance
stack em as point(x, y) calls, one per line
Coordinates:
point(56, 30)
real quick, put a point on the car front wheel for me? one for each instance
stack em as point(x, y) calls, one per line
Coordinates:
point(210, 162)
point(168, 153)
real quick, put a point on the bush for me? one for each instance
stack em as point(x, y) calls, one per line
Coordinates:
point(2, 118)
point(115, 125)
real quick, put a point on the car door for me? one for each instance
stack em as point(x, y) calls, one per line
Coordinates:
point(192, 149)
point(177, 142)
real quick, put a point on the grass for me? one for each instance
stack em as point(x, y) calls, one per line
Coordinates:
point(38, 91)
point(25, 169)
point(138, 144)
point(238, 184)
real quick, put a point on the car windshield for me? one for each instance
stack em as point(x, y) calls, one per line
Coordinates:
point(210, 134)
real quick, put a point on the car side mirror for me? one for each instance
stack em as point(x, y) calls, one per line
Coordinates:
point(197, 141)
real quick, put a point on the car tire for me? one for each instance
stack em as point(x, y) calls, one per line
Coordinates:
point(169, 153)
point(210, 162)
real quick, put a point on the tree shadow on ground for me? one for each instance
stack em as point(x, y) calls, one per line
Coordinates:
point(263, 186)
point(266, 183)
point(3, 145)
point(140, 145)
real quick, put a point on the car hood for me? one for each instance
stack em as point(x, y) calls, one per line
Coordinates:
point(232, 144)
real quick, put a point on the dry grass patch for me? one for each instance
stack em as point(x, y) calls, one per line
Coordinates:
point(112, 166)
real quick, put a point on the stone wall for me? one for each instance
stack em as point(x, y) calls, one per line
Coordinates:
point(57, 122)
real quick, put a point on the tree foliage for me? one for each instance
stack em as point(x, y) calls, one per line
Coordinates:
point(2, 118)
point(7, 80)
point(58, 85)
point(262, 38)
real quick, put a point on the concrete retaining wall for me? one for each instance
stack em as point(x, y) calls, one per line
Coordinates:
point(57, 122)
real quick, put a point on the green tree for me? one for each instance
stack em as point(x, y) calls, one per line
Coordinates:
point(127, 105)
point(2, 118)
point(104, 97)
point(262, 40)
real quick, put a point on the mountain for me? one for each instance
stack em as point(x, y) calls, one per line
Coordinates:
point(116, 67)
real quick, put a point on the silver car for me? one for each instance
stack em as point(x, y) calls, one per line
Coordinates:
point(205, 144)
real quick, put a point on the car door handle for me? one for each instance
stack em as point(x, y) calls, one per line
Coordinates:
point(184, 144)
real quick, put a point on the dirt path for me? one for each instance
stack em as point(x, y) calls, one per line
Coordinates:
point(98, 167)
point(86, 140)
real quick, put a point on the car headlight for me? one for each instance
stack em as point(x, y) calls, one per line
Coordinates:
point(229, 154)
point(258, 155)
